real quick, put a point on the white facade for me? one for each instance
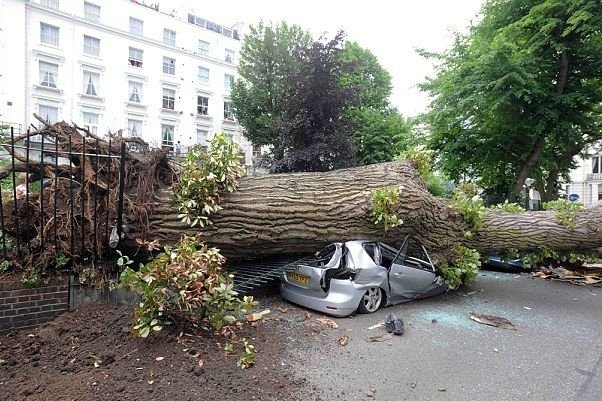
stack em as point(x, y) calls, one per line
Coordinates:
point(118, 65)
point(586, 179)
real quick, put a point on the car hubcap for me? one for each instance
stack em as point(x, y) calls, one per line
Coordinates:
point(372, 299)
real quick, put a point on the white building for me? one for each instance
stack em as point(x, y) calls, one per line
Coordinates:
point(586, 179)
point(119, 64)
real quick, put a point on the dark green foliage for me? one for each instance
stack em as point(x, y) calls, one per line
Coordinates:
point(519, 96)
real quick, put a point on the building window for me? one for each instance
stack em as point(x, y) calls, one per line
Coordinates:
point(204, 75)
point(169, 66)
point(228, 81)
point(169, 37)
point(596, 167)
point(49, 113)
point(203, 48)
point(135, 127)
point(91, 122)
point(202, 105)
point(201, 137)
point(135, 58)
point(51, 4)
point(136, 26)
point(91, 46)
point(229, 56)
point(169, 98)
point(49, 34)
point(228, 111)
point(91, 80)
point(91, 12)
point(167, 136)
point(48, 74)
point(135, 91)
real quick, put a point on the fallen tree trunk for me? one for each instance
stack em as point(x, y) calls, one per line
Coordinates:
point(301, 212)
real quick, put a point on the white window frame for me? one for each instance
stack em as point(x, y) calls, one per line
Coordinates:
point(136, 57)
point(167, 136)
point(90, 121)
point(45, 115)
point(202, 135)
point(169, 99)
point(169, 36)
point(202, 105)
point(136, 26)
point(204, 47)
point(49, 74)
point(135, 127)
point(49, 34)
point(91, 12)
point(169, 65)
point(202, 77)
point(596, 164)
point(229, 56)
point(91, 83)
point(91, 46)
point(135, 91)
point(54, 4)
point(228, 81)
point(228, 110)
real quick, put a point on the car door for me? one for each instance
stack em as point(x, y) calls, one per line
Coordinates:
point(411, 272)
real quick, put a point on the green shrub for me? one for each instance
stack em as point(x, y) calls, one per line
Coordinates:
point(509, 207)
point(565, 211)
point(422, 158)
point(471, 207)
point(385, 202)
point(184, 285)
point(464, 269)
point(205, 176)
point(544, 256)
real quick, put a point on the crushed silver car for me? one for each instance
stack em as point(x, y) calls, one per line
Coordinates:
point(362, 276)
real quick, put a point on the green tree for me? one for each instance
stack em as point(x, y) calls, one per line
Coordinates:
point(381, 133)
point(519, 96)
point(267, 58)
point(314, 130)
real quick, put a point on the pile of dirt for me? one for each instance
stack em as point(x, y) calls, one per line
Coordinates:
point(90, 354)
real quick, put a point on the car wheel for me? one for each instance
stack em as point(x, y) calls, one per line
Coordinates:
point(371, 301)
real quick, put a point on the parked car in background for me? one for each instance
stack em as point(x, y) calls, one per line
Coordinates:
point(496, 262)
point(362, 275)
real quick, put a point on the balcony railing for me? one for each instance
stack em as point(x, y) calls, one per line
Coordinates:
point(594, 177)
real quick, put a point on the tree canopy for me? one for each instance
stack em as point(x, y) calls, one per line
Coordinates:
point(352, 111)
point(519, 95)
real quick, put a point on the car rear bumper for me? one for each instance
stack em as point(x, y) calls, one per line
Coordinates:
point(342, 299)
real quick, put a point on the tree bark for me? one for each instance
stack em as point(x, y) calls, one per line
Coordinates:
point(301, 212)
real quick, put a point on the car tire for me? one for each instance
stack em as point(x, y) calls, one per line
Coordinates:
point(371, 300)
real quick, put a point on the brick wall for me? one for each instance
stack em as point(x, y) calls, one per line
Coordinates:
point(22, 307)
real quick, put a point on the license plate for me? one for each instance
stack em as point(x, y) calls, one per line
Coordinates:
point(300, 278)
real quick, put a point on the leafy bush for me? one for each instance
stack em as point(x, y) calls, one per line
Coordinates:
point(545, 256)
point(509, 207)
point(464, 269)
point(565, 211)
point(471, 207)
point(422, 159)
point(385, 202)
point(185, 285)
point(205, 176)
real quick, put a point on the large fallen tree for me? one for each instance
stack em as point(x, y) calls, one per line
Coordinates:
point(300, 212)
point(284, 213)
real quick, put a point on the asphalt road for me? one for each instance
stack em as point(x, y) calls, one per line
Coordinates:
point(555, 353)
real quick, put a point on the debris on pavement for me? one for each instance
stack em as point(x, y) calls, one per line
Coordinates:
point(394, 325)
point(586, 275)
point(328, 322)
point(381, 324)
point(379, 338)
point(494, 321)
point(343, 341)
point(253, 317)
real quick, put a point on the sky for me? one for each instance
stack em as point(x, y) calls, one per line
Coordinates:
point(392, 30)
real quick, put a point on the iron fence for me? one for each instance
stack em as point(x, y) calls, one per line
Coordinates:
point(49, 190)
